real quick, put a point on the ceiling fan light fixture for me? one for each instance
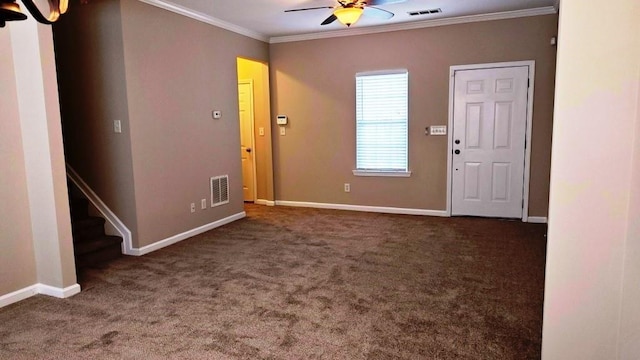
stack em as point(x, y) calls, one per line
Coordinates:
point(348, 15)
point(10, 11)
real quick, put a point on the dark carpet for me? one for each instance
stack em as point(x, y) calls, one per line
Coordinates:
point(294, 283)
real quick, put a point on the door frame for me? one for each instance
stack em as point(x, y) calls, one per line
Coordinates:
point(253, 135)
point(531, 64)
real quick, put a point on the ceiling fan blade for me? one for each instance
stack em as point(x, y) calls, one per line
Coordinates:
point(329, 20)
point(310, 8)
point(375, 12)
point(383, 2)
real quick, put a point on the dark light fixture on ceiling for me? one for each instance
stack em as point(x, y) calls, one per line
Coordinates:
point(44, 11)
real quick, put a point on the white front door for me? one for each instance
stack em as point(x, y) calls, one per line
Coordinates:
point(245, 99)
point(489, 132)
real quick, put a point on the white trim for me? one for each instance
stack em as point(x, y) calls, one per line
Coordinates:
point(382, 173)
point(206, 19)
point(537, 219)
point(531, 64)
point(29, 291)
point(376, 209)
point(18, 295)
point(547, 10)
point(265, 202)
point(121, 228)
point(185, 235)
point(58, 292)
point(527, 155)
point(382, 72)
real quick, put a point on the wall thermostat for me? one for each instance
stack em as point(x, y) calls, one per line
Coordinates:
point(281, 120)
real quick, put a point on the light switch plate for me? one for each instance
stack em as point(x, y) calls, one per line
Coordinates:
point(261, 131)
point(283, 131)
point(438, 130)
point(117, 126)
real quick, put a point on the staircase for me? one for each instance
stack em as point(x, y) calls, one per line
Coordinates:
point(92, 247)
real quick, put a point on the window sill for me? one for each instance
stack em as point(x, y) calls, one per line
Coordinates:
point(382, 173)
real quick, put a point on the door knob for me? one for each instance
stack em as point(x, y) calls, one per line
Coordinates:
point(457, 152)
point(248, 149)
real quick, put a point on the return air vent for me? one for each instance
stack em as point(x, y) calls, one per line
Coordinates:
point(219, 190)
point(425, 12)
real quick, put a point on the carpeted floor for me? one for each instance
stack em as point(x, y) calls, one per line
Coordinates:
point(293, 283)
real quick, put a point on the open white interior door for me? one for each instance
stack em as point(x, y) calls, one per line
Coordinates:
point(245, 98)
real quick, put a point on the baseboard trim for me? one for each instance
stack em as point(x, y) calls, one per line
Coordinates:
point(18, 295)
point(377, 209)
point(123, 230)
point(58, 292)
point(185, 235)
point(265, 202)
point(36, 289)
point(537, 219)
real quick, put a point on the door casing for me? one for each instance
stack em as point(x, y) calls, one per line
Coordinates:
point(527, 156)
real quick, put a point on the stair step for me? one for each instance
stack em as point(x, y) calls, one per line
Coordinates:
point(96, 244)
point(87, 228)
point(99, 256)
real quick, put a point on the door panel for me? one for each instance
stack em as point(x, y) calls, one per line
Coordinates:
point(245, 99)
point(489, 132)
point(472, 181)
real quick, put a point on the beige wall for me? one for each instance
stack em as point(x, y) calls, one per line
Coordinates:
point(35, 230)
point(178, 70)
point(313, 83)
point(258, 72)
point(17, 261)
point(90, 62)
point(629, 342)
point(591, 306)
point(162, 74)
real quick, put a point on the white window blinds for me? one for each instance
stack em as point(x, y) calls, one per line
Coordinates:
point(382, 121)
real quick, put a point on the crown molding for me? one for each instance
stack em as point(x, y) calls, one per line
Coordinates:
point(547, 10)
point(206, 19)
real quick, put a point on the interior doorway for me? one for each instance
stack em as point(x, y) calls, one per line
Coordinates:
point(490, 123)
point(255, 131)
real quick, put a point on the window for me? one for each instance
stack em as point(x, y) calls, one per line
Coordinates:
point(382, 123)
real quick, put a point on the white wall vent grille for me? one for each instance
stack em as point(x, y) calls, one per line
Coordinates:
point(425, 12)
point(219, 190)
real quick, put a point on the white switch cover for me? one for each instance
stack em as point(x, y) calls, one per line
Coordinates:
point(203, 204)
point(261, 131)
point(438, 130)
point(283, 131)
point(117, 126)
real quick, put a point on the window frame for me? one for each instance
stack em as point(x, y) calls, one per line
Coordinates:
point(383, 172)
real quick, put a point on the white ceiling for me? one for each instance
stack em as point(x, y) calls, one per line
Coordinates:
point(266, 19)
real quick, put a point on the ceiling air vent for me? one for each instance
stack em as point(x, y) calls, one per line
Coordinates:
point(425, 12)
point(219, 190)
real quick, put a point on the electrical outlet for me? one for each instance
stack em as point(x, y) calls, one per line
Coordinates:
point(193, 207)
point(283, 131)
point(347, 187)
point(203, 204)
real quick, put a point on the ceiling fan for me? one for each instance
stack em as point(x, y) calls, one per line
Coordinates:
point(349, 11)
